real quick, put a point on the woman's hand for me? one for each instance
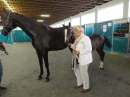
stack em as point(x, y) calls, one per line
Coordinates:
point(76, 52)
point(69, 44)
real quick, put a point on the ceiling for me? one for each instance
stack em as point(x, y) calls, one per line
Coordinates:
point(57, 9)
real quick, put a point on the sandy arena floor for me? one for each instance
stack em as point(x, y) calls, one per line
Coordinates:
point(21, 70)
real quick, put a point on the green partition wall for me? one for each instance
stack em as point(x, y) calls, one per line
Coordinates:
point(27, 38)
point(7, 39)
point(105, 29)
point(88, 30)
point(119, 43)
point(84, 27)
point(21, 36)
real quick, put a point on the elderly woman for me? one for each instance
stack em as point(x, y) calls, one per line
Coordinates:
point(82, 57)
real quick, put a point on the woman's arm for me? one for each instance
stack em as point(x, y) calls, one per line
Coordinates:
point(87, 46)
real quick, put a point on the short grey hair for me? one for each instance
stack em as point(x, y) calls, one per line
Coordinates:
point(78, 29)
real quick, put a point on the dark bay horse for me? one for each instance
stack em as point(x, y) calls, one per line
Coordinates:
point(3, 48)
point(98, 42)
point(44, 38)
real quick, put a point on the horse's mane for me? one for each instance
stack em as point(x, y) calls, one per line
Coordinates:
point(45, 25)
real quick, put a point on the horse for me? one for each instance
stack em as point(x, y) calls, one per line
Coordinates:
point(2, 48)
point(44, 38)
point(98, 42)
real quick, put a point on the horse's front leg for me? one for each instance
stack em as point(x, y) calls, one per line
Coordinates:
point(3, 49)
point(45, 55)
point(41, 64)
point(101, 54)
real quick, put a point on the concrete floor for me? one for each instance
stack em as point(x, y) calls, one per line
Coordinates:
point(21, 69)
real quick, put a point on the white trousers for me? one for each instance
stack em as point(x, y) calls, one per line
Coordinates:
point(81, 73)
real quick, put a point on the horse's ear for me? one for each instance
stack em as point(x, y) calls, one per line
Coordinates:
point(10, 10)
point(69, 24)
point(5, 11)
point(63, 25)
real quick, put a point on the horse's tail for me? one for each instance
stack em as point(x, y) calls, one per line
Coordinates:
point(107, 42)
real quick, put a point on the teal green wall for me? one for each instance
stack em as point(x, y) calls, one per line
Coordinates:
point(21, 36)
point(99, 29)
point(15, 36)
point(9, 40)
point(119, 44)
point(88, 30)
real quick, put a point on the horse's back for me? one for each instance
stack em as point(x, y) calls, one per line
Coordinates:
point(96, 40)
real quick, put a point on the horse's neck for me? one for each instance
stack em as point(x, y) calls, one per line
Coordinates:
point(57, 32)
point(25, 24)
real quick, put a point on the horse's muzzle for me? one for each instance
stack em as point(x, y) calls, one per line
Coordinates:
point(4, 32)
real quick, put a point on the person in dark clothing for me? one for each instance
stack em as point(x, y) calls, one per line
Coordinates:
point(1, 74)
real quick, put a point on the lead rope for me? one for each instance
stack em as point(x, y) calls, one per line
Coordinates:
point(7, 38)
point(5, 42)
point(75, 57)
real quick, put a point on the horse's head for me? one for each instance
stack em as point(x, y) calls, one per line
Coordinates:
point(68, 34)
point(8, 23)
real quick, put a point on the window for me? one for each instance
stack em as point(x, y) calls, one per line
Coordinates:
point(61, 24)
point(88, 18)
point(55, 25)
point(67, 22)
point(110, 13)
point(75, 21)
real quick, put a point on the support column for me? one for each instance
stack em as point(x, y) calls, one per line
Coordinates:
point(126, 8)
point(96, 14)
point(80, 18)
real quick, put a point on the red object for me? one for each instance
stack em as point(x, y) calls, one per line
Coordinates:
point(3, 43)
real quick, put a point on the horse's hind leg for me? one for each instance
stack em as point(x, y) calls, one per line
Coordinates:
point(41, 64)
point(101, 54)
point(45, 55)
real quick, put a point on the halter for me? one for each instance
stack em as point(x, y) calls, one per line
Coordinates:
point(7, 25)
point(65, 35)
point(8, 19)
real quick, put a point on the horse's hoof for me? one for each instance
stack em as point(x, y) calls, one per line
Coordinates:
point(101, 68)
point(6, 53)
point(39, 77)
point(47, 79)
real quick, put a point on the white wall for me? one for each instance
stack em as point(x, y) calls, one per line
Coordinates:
point(126, 10)
point(1, 27)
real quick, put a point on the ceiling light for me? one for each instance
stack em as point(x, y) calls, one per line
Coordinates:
point(40, 20)
point(8, 6)
point(45, 15)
